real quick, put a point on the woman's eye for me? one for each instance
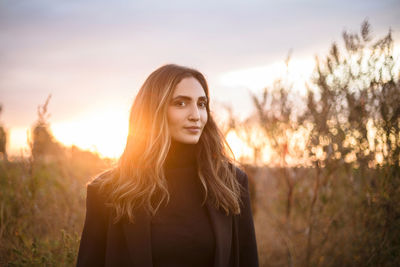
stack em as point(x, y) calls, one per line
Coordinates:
point(203, 104)
point(180, 103)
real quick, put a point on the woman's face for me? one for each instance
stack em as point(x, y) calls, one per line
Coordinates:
point(187, 112)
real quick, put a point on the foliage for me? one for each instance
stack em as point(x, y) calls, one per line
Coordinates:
point(350, 129)
point(42, 203)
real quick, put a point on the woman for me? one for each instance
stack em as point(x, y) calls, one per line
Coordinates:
point(175, 198)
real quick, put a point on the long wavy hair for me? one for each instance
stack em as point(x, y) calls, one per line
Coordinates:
point(138, 179)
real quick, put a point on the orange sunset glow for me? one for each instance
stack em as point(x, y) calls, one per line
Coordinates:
point(305, 94)
point(93, 71)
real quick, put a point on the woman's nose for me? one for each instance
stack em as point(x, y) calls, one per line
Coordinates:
point(194, 114)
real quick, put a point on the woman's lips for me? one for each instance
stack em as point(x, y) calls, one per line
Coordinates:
point(193, 129)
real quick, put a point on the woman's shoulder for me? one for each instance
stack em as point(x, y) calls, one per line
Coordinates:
point(99, 185)
point(102, 177)
point(98, 188)
point(241, 176)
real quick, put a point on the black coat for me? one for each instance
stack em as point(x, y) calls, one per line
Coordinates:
point(104, 243)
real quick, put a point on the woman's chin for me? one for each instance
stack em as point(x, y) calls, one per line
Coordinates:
point(187, 139)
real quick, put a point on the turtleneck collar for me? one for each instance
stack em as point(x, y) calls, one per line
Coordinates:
point(181, 155)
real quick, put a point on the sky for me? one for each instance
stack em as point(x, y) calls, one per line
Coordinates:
point(93, 56)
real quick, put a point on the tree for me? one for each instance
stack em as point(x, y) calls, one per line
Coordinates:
point(356, 118)
point(43, 144)
point(350, 128)
point(3, 139)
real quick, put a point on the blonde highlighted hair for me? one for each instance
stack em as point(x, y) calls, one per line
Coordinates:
point(138, 176)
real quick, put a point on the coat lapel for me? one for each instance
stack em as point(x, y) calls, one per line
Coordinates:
point(222, 226)
point(138, 239)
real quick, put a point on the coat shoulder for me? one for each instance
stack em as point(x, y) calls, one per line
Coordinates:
point(95, 185)
point(241, 176)
point(101, 177)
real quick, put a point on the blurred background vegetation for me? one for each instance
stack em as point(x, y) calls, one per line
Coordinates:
point(329, 195)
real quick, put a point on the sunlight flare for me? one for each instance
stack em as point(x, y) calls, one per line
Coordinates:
point(103, 132)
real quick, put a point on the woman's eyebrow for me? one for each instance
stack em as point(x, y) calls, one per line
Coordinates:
point(204, 98)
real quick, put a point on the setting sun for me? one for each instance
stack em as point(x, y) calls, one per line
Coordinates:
point(103, 132)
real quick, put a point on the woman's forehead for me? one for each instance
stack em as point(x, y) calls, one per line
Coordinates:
point(189, 87)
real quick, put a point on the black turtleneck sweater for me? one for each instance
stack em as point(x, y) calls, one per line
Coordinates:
point(181, 230)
